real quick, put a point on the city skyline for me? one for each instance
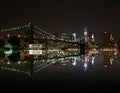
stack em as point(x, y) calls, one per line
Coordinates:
point(37, 49)
point(87, 35)
point(70, 16)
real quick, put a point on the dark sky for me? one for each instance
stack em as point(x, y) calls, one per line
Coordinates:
point(57, 16)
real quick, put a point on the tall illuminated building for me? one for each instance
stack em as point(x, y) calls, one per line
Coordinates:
point(85, 34)
point(74, 37)
point(74, 61)
point(85, 63)
point(111, 37)
point(93, 38)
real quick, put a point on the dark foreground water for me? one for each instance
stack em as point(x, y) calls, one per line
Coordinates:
point(88, 72)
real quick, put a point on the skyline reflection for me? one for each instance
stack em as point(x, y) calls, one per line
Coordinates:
point(30, 64)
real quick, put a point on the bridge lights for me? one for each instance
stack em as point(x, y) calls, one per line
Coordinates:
point(105, 32)
point(8, 35)
point(19, 35)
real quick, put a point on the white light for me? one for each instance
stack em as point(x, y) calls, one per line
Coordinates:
point(35, 49)
point(74, 34)
point(92, 36)
point(85, 65)
point(92, 62)
point(19, 62)
point(8, 35)
point(85, 33)
point(74, 63)
point(8, 62)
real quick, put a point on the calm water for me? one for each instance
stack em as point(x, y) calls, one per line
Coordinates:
point(96, 71)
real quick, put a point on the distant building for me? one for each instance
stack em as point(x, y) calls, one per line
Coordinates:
point(111, 37)
point(85, 34)
point(64, 36)
point(74, 37)
point(91, 37)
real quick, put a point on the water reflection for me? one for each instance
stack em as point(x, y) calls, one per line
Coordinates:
point(109, 58)
point(21, 61)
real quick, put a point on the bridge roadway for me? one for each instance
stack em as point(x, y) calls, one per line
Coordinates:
point(109, 49)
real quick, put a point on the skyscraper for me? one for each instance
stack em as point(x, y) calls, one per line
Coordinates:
point(85, 34)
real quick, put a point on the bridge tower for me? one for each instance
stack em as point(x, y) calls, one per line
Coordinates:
point(82, 47)
point(106, 39)
point(106, 59)
point(30, 33)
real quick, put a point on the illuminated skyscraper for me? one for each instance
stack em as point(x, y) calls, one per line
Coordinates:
point(111, 38)
point(93, 39)
point(85, 34)
point(85, 63)
point(74, 37)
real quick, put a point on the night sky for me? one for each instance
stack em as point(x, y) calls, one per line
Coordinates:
point(57, 16)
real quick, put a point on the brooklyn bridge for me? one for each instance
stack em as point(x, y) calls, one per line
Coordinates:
point(36, 49)
point(23, 36)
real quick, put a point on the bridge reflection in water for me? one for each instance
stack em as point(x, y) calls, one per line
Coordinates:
point(22, 62)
